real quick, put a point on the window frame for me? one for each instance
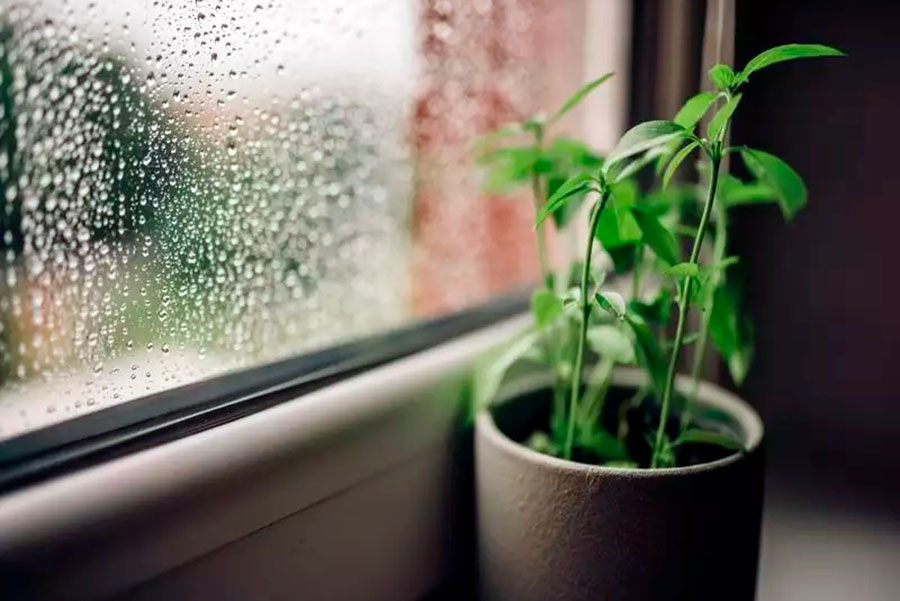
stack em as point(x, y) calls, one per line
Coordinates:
point(111, 432)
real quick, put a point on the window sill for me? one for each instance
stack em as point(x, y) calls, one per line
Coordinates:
point(340, 494)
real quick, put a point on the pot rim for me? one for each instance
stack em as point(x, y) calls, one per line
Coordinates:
point(708, 394)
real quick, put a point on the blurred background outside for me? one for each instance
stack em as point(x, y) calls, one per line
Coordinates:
point(192, 188)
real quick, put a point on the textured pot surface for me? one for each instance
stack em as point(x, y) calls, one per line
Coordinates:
point(552, 529)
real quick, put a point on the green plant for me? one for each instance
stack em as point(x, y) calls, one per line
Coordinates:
point(641, 232)
point(544, 168)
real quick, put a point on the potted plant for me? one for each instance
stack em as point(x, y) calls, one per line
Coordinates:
point(596, 480)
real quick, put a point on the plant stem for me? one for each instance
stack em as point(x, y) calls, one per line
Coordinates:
point(595, 393)
point(683, 305)
point(721, 244)
point(557, 420)
point(537, 194)
point(696, 369)
point(585, 314)
point(559, 402)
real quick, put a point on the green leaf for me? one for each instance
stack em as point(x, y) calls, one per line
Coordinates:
point(625, 193)
point(694, 109)
point(666, 455)
point(612, 303)
point(662, 154)
point(627, 227)
point(508, 167)
point(784, 181)
point(545, 306)
point(534, 123)
point(710, 279)
point(577, 184)
point(617, 226)
point(701, 290)
point(604, 444)
point(568, 154)
point(541, 442)
point(661, 201)
point(659, 311)
point(697, 436)
point(522, 157)
point(751, 193)
point(623, 257)
point(722, 76)
point(565, 213)
point(608, 341)
point(739, 361)
point(731, 332)
point(649, 354)
point(577, 97)
point(561, 159)
point(644, 137)
point(489, 376)
point(734, 192)
point(608, 231)
point(676, 161)
point(682, 270)
point(720, 119)
point(657, 237)
point(783, 53)
point(724, 263)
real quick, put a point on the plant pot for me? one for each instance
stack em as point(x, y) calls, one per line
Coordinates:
point(553, 529)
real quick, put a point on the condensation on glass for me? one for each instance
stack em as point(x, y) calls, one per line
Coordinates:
point(188, 188)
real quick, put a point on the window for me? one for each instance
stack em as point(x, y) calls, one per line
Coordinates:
point(191, 189)
point(194, 189)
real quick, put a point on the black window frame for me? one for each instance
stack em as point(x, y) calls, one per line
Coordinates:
point(144, 422)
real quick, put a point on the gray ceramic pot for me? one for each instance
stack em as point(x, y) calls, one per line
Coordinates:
point(551, 529)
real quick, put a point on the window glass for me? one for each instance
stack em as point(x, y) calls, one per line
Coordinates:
point(189, 188)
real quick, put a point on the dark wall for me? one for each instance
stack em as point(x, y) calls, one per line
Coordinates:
point(824, 289)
